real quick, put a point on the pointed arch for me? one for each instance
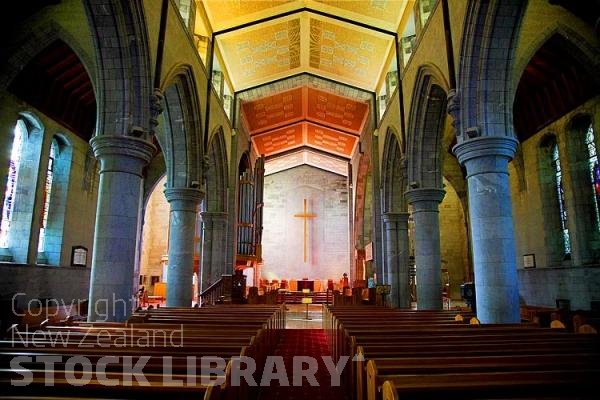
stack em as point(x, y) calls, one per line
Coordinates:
point(582, 154)
point(425, 125)
point(216, 175)
point(124, 81)
point(393, 178)
point(489, 42)
point(362, 231)
point(20, 241)
point(553, 209)
point(59, 164)
point(544, 94)
point(180, 136)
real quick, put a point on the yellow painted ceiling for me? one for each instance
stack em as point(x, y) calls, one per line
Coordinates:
point(261, 44)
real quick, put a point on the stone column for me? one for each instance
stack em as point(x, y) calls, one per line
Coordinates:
point(396, 242)
point(214, 240)
point(425, 210)
point(183, 204)
point(490, 210)
point(112, 279)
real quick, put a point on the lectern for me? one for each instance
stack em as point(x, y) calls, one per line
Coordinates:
point(306, 300)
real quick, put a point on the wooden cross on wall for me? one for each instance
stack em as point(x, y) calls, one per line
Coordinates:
point(305, 215)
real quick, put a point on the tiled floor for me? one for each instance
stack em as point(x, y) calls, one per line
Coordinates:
point(296, 316)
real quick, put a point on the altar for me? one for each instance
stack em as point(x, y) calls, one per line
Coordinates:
point(306, 284)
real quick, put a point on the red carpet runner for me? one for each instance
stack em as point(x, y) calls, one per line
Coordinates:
point(301, 342)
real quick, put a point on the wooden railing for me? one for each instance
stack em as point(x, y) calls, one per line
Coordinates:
point(214, 294)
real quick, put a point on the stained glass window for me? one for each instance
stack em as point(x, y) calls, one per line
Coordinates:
point(561, 199)
point(11, 183)
point(47, 194)
point(590, 142)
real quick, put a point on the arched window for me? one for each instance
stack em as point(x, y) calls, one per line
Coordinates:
point(582, 202)
point(11, 182)
point(35, 195)
point(560, 194)
point(47, 197)
point(594, 168)
point(54, 203)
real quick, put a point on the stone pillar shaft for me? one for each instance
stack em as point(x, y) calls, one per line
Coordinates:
point(117, 225)
point(396, 240)
point(214, 249)
point(490, 213)
point(425, 212)
point(183, 204)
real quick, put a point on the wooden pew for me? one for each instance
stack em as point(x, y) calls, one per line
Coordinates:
point(246, 337)
point(379, 370)
point(155, 359)
point(100, 387)
point(346, 345)
point(566, 384)
point(384, 339)
point(35, 317)
point(560, 346)
point(425, 333)
point(335, 316)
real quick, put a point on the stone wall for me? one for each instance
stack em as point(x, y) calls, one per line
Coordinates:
point(155, 235)
point(327, 233)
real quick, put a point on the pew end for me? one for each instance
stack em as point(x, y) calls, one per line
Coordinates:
point(388, 391)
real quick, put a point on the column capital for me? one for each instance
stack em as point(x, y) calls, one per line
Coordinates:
point(389, 217)
point(425, 195)
point(192, 195)
point(486, 146)
point(122, 153)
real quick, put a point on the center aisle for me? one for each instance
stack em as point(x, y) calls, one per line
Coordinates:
point(300, 342)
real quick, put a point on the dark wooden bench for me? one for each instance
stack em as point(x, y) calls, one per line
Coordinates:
point(92, 386)
point(568, 384)
point(379, 370)
point(562, 344)
point(95, 341)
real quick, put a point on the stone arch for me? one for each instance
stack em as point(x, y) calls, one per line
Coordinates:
point(426, 122)
point(393, 178)
point(487, 52)
point(125, 81)
point(574, 44)
point(361, 231)
point(39, 39)
point(216, 174)
point(24, 226)
point(181, 138)
point(567, 79)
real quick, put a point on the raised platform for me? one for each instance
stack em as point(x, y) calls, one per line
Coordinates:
point(296, 297)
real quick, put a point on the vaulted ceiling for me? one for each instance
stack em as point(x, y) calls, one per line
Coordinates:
point(306, 72)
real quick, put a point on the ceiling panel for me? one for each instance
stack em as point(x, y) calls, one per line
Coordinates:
point(322, 161)
point(305, 71)
point(273, 111)
point(304, 42)
point(225, 14)
point(279, 140)
point(382, 14)
point(330, 140)
point(262, 53)
point(325, 162)
point(336, 111)
point(354, 55)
